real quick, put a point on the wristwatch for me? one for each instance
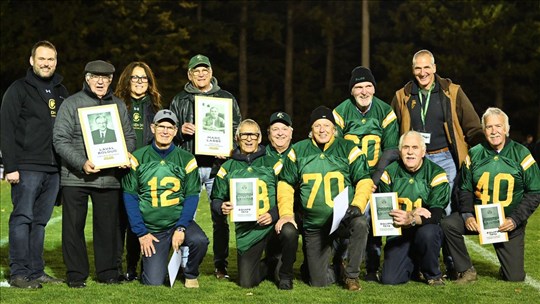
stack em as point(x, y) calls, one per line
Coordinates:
point(413, 222)
point(181, 229)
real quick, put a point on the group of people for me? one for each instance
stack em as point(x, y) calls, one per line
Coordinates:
point(428, 145)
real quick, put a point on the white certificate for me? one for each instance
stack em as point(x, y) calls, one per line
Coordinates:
point(489, 217)
point(341, 204)
point(213, 124)
point(244, 199)
point(380, 205)
point(174, 265)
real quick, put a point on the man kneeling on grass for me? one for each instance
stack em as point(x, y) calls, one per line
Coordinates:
point(161, 194)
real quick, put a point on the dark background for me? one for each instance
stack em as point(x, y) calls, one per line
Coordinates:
point(490, 48)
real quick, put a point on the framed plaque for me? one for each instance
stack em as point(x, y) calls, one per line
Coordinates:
point(103, 136)
point(381, 222)
point(244, 199)
point(213, 126)
point(489, 217)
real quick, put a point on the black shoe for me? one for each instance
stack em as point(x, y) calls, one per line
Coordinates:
point(221, 273)
point(372, 277)
point(131, 276)
point(76, 284)
point(285, 284)
point(109, 281)
point(24, 282)
point(47, 279)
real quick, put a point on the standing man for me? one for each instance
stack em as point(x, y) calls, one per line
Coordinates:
point(322, 166)
point(444, 115)
point(423, 193)
point(250, 160)
point(203, 83)
point(372, 125)
point(81, 180)
point(29, 108)
point(499, 171)
point(161, 194)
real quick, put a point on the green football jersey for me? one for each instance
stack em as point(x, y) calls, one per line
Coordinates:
point(322, 175)
point(428, 187)
point(373, 133)
point(500, 177)
point(161, 185)
point(262, 168)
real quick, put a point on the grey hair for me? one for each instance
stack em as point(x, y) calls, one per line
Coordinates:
point(248, 121)
point(420, 53)
point(496, 111)
point(417, 134)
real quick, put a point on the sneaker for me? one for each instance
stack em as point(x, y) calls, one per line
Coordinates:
point(435, 282)
point(47, 279)
point(221, 273)
point(285, 284)
point(191, 283)
point(372, 277)
point(76, 284)
point(468, 276)
point(131, 276)
point(352, 284)
point(24, 282)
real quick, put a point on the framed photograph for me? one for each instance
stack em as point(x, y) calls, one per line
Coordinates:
point(103, 136)
point(382, 223)
point(213, 126)
point(489, 217)
point(244, 199)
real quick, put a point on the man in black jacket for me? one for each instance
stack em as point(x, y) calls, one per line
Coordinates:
point(29, 109)
point(203, 83)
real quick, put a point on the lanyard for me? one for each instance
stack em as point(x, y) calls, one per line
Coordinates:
point(424, 108)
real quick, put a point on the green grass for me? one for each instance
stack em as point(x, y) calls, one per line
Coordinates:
point(488, 289)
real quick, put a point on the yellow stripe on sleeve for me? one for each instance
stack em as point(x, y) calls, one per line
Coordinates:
point(467, 162)
point(134, 163)
point(222, 172)
point(339, 119)
point(439, 179)
point(527, 162)
point(192, 165)
point(277, 167)
point(285, 199)
point(354, 154)
point(292, 155)
point(385, 178)
point(388, 119)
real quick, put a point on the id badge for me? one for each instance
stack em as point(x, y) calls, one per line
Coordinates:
point(426, 137)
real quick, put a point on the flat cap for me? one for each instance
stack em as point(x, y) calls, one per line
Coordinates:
point(99, 67)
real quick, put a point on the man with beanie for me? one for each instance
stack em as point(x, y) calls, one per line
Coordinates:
point(443, 114)
point(161, 194)
point(29, 108)
point(203, 83)
point(372, 125)
point(322, 167)
point(81, 180)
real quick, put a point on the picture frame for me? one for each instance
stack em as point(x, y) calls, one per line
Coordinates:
point(244, 199)
point(489, 217)
point(213, 126)
point(103, 136)
point(381, 222)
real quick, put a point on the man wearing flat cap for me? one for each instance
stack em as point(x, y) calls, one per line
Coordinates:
point(372, 125)
point(161, 194)
point(81, 180)
point(322, 167)
point(203, 83)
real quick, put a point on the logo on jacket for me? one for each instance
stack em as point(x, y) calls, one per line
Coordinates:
point(413, 104)
point(136, 117)
point(52, 104)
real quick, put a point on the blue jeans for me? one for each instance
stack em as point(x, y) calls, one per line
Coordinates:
point(155, 267)
point(33, 200)
point(206, 181)
point(445, 160)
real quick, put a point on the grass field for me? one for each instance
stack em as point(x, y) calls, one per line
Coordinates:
point(488, 289)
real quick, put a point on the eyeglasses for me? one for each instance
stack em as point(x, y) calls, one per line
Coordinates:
point(103, 78)
point(252, 136)
point(202, 71)
point(135, 79)
point(162, 128)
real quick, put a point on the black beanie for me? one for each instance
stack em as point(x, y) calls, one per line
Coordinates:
point(321, 112)
point(361, 74)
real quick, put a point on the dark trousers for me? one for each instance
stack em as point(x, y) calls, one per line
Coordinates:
point(105, 204)
point(319, 250)
point(221, 239)
point(280, 255)
point(511, 254)
point(417, 249)
point(131, 241)
point(33, 201)
point(155, 267)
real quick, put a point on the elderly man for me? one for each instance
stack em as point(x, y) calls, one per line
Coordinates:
point(81, 180)
point(499, 171)
point(372, 125)
point(280, 135)
point(29, 108)
point(322, 167)
point(423, 193)
point(203, 83)
point(161, 194)
point(250, 160)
